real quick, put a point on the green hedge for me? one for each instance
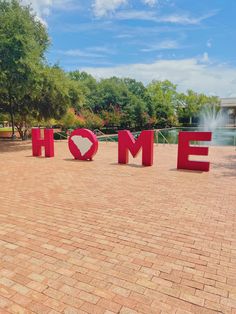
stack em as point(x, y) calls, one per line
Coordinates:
point(60, 136)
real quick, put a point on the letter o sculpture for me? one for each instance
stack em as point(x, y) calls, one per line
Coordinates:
point(83, 144)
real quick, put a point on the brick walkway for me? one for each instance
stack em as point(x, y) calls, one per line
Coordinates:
point(96, 237)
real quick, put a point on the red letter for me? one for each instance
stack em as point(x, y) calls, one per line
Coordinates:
point(83, 144)
point(126, 143)
point(38, 143)
point(184, 150)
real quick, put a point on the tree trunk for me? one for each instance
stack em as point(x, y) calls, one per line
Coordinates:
point(20, 130)
point(23, 129)
point(12, 116)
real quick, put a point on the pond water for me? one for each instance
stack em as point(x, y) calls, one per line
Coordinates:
point(220, 137)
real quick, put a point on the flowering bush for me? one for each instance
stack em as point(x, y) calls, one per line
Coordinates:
point(92, 120)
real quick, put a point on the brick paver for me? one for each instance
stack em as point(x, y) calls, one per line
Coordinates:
point(97, 237)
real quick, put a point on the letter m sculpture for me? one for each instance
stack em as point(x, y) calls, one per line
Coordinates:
point(127, 143)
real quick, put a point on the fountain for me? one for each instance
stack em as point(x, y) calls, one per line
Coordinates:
point(211, 118)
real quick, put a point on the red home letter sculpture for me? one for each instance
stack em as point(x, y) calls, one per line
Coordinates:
point(184, 150)
point(38, 143)
point(128, 143)
point(83, 144)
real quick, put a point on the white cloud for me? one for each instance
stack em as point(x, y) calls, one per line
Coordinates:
point(205, 57)
point(165, 44)
point(194, 73)
point(80, 53)
point(209, 43)
point(103, 7)
point(88, 52)
point(185, 19)
point(150, 2)
point(179, 19)
point(147, 15)
point(136, 15)
point(43, 8)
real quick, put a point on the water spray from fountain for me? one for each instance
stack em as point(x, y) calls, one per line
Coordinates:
point(211, 118)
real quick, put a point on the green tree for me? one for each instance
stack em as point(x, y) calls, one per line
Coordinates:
point(162, 98)
point(54, 94)
point(111, 93)
point(140, 116)
point(135, 87)
point(191, 104)
point(87, 84)
point(50, 98)
point(23, 41)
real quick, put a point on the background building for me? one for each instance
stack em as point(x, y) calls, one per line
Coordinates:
point(229, 107)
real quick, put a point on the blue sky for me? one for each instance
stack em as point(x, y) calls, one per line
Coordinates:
point(192, 43)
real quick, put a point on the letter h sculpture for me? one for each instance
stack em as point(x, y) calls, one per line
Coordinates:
point(38, 143)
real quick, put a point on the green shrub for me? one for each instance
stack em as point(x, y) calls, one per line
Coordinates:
point(60, 136)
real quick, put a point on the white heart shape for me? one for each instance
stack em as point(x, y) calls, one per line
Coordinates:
point(83, 143)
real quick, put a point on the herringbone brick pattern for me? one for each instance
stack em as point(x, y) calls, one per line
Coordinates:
point(97, 237)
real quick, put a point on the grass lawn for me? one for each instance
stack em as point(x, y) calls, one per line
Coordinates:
point(9, 129)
